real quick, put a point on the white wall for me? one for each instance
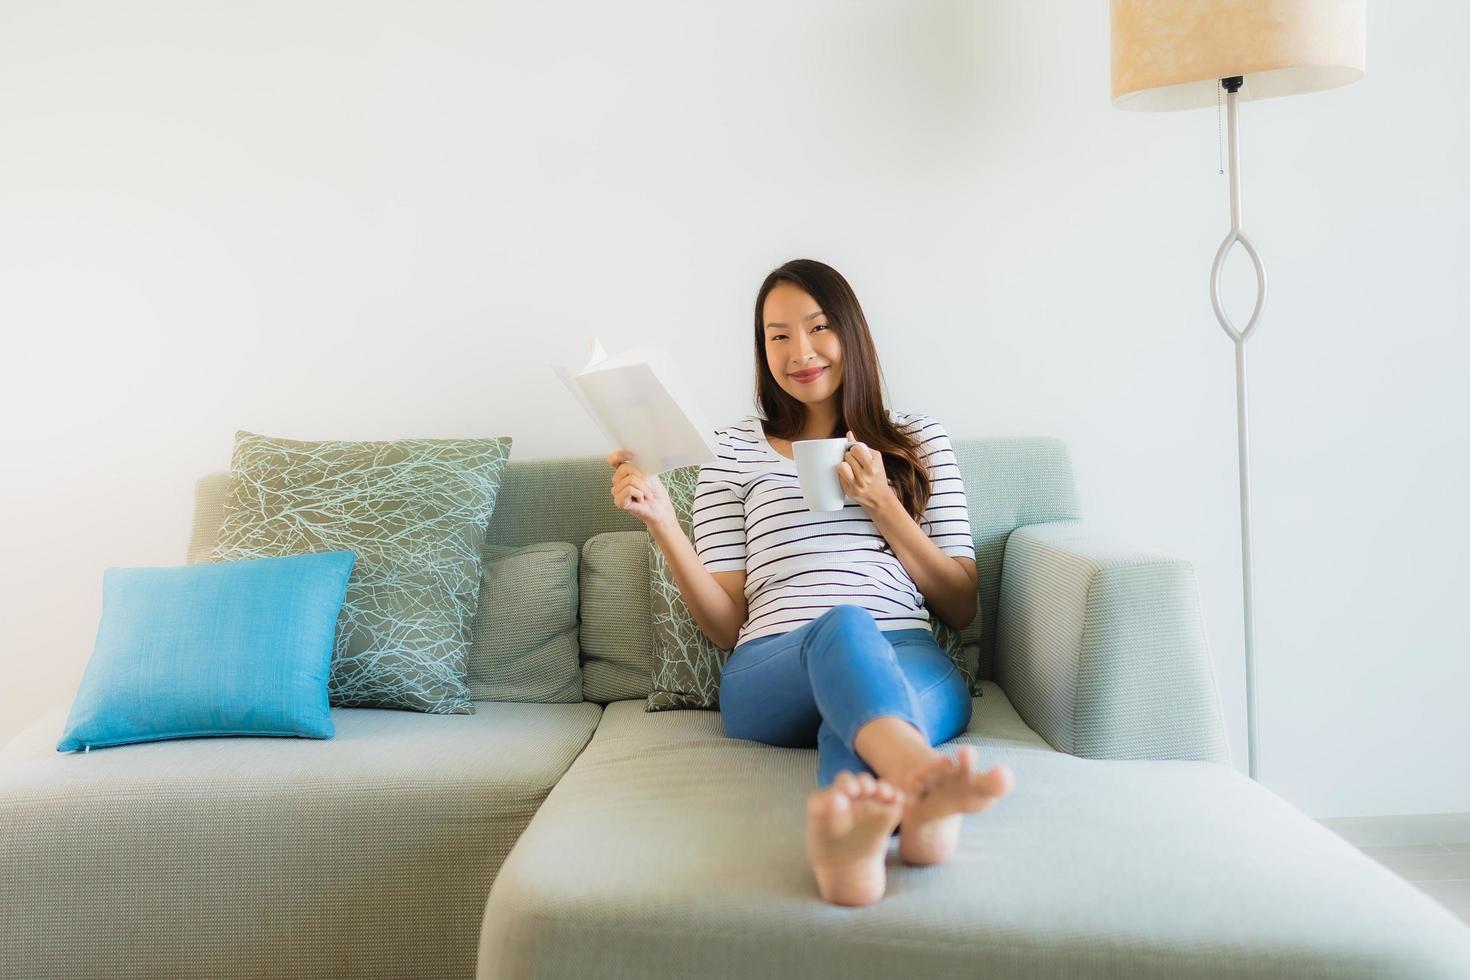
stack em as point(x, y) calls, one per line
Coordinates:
point(334, 220)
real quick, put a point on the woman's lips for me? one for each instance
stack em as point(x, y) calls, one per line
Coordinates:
point(807, 376)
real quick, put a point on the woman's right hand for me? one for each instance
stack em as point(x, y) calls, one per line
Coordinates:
point(637, 493)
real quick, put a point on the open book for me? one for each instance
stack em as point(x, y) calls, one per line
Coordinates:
point(640, 403)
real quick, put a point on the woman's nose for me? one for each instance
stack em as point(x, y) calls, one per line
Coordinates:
point(802, 349)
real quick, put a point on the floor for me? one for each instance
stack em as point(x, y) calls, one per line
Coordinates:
point(1441, 871)
point(1431, 851)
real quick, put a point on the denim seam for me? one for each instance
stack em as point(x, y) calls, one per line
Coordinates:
point(952, 671)
point(725, 672)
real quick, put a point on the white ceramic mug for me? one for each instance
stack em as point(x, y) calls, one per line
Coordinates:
point(816, 470)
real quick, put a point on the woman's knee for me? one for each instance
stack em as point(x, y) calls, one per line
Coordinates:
point(845, 621)
point(838, 632)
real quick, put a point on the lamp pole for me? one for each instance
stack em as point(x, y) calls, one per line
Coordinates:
point(1232, 85)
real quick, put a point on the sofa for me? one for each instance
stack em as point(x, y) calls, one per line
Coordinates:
point(598, 839)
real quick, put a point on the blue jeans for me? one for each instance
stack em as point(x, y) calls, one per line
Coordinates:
point(820, 683)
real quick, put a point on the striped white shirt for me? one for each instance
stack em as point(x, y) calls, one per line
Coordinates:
point(749, 516)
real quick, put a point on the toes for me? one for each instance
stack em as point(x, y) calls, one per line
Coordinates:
point(996, 781)
point(828, 812)
point(846, 783)
point(1000, 779)
point(867, 785)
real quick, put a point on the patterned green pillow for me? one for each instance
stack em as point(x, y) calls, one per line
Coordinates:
point(415, 512)
point(686, 665)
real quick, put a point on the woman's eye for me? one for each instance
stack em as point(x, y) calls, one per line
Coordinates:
point(781, 337)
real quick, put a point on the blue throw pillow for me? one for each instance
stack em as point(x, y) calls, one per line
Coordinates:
point(232, 648)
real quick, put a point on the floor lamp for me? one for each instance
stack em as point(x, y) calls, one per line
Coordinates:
point(1180, 54)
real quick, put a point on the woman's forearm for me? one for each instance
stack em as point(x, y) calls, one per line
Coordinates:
point(947, 583)
point(717, 611)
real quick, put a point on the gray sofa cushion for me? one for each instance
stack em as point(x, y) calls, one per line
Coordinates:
point(366, 855)
point(524, 645)
point(1088, 868)
point(617, 629)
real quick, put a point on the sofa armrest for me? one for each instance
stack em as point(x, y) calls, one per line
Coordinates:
point(1101, 647)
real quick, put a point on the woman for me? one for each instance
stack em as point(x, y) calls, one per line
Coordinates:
point(828, 613)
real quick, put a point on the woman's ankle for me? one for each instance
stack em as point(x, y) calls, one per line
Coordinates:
point(894, 748)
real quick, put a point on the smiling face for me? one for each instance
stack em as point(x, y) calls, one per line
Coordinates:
point(803, 351)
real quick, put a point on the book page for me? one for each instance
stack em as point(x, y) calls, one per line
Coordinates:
point(635, 408)
point(568, 379)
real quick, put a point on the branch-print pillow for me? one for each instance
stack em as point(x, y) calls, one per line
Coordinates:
point(414, 511)
point(686, 664)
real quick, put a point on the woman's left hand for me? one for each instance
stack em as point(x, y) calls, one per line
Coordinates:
point(863, 479)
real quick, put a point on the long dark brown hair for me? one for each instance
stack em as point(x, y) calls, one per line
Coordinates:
point(860, 400)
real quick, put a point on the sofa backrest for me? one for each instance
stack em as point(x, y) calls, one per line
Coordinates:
point(1009, 482)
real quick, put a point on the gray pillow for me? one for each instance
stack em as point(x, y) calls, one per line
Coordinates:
point(414, 511)
point(524, 639)
point(617, 639)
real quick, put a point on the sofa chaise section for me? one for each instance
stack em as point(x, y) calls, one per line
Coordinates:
point(368, 854)
point(670, 850)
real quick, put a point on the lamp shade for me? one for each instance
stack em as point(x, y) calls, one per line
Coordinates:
point(1171, 54)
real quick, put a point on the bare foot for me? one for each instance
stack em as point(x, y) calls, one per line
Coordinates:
point(939, 793)
point(847, 832)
